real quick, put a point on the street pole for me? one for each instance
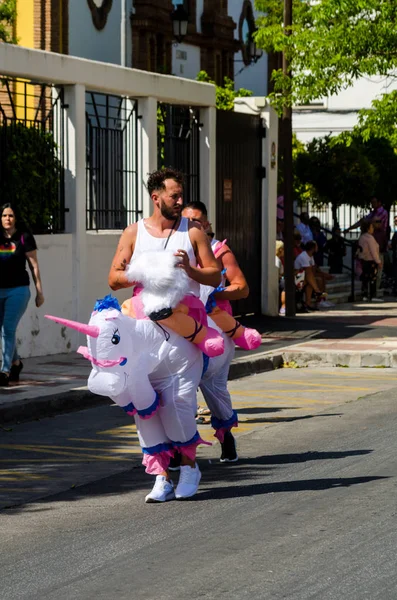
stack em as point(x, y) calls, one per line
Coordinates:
point(286, 128)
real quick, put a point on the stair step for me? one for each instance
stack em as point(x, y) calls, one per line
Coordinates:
point(343, 297)
point(345, 288)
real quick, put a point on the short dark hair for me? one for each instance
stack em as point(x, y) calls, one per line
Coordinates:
point(156, 179)
point(198, 205)
point(310, 245)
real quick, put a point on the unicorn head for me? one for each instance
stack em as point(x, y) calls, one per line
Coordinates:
point(109, 346)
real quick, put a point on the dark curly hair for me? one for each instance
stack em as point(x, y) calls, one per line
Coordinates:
point(156, 179)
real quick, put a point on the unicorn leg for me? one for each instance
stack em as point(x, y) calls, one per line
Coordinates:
point(156, 446)
point(178, 410)
point(245, 337)
point(207, 339)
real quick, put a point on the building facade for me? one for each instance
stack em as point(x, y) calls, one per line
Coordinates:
point(338, 113)
point(139, 34)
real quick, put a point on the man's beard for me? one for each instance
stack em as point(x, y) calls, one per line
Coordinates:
point(168, 213)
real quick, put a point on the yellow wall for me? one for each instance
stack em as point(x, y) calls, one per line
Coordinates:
point(25, 37)
point(25, 25)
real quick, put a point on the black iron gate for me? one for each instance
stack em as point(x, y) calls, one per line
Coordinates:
point(239, 183)
point(179, 144)
point(112, 161)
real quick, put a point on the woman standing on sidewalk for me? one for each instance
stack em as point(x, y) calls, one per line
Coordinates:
point(17, 246)
point(368, 253)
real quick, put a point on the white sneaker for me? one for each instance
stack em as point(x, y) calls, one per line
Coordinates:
point(188, 483)
point(377, 300)
point(162, 491)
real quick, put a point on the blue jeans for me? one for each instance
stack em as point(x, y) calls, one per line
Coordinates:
point(13, 303)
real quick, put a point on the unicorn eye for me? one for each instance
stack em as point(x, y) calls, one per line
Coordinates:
point(116, 337)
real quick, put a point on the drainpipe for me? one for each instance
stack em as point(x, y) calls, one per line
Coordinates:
point(123, 33)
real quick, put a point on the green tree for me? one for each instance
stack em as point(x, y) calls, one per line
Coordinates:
point(333, 43)
point(379, 121)
point(30, 175)
point(8, 14)
point(338, 173)
point(225, 94)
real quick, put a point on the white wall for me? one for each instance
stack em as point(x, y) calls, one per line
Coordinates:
point(104, 45)
point(185, 60)
point(36, 335)
point(340, 111)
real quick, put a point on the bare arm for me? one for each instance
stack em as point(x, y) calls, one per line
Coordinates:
point(238, 286)
point(209, 272)
point(34, 268)
point(117, 278)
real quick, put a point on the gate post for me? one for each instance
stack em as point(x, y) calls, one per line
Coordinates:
point(270, 291)
point(147, 143)
point(75, 193)
point(260, 107)
point(208, 161)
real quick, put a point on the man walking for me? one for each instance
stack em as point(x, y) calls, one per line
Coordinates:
point(167, 229)
point(214, 383)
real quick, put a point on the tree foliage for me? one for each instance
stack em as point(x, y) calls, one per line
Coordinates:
point(345, 170)
point(380, 121)
point(225, 94)
point(332, 44)
point(8, 14)
point(30, 175)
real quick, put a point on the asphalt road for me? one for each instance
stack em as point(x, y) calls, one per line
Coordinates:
point(309, 512)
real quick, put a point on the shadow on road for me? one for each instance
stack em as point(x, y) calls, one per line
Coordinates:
point(283, 459)
point(282, 486)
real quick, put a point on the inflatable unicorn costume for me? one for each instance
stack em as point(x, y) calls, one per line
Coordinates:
point(152, 372)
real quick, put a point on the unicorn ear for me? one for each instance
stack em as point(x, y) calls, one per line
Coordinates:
point(112, 314)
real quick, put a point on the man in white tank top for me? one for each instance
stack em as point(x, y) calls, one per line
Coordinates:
point(166, 228)
point(214, 383)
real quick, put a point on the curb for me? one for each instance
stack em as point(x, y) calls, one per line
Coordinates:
point(49, 406)
point(335, 358)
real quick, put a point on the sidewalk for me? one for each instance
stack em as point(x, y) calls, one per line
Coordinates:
point(355, 335)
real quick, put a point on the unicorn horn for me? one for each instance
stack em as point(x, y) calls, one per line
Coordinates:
point(91, 330)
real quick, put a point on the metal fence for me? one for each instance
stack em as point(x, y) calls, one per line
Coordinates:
point(347, 216)
point(32, 143)
point(112, 161)
point(179, 144)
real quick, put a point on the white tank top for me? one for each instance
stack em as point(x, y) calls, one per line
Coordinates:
point(179, 240)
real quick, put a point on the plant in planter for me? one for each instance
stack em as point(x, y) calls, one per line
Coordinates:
point(30, 173)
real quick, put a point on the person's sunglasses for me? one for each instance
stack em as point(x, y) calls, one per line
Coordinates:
point(211, 235)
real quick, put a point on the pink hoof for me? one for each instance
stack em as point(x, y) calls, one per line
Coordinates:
point(249, 340)
point(213, 344)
